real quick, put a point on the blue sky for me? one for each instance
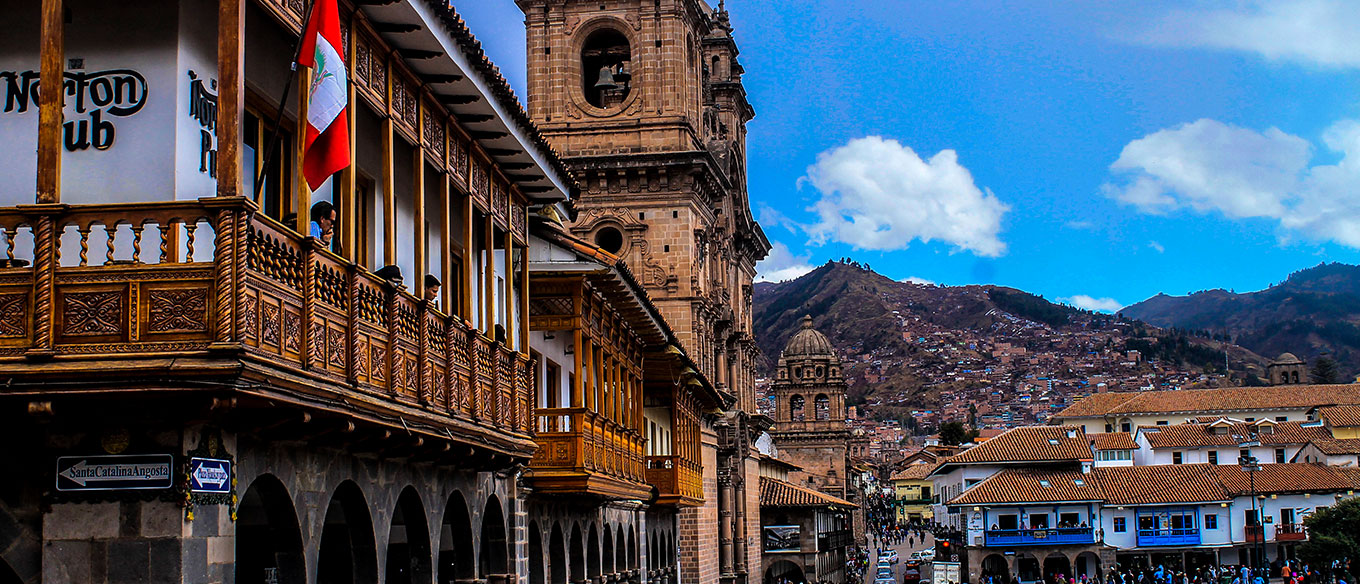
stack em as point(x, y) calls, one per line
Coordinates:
point(1096, 153)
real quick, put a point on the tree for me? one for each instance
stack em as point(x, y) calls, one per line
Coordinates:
point(955, 433)
point(1324, 371)
point(1333, 533)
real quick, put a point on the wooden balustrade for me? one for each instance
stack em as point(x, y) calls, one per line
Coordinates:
point(581, 451)
point(208, 276)
point(679, 480)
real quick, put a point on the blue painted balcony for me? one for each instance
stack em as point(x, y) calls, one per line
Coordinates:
point(1168, 536)
point(1045, 536)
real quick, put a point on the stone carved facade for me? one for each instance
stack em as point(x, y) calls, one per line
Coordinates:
point(810, 429)
point(644, 101)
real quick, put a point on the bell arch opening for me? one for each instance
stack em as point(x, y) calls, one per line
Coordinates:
point(606, 68)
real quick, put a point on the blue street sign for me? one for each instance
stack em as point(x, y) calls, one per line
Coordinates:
point(114, 473)
point(209, 475)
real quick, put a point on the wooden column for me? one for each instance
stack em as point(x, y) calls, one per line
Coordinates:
point(302, 193)
point(488, 294)
point(346, 196)
point(507, 302)
point(389, 195)
point(577, 395)
point(421, 234)
point(465, 276)
point(52, 68)
point(451, 281)
point(524, 297)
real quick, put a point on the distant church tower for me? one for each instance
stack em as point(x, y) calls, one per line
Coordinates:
point(810, 429)
point(1287, 370)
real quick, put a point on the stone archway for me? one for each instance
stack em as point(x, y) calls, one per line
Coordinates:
point(785, 571)
point(607, 565)
point(995, 566)
point(1055, 565)
point(1027, 568)
point(557, 556)
point(456, 560)
point(578, 554)
point(536, 575)
point(620, 550)
point(632, 550)
point(268, 537)
point(494, 559)
point(1087, 564)
point(408, 541)
point(348, 554)
point(593, 553)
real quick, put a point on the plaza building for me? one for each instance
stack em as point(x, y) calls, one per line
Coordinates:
point(1126, 411)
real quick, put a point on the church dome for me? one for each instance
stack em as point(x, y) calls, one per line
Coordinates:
point(809, 343)
point(1287, 359)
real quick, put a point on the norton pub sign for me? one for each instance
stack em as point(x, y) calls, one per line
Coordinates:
point(114, 473)
point(97, 97)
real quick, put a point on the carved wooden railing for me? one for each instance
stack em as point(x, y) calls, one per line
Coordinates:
point(676, 478)
point(199, 276)
point(577, 439)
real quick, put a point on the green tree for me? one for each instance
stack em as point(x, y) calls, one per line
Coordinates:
point(1334, 533)
point(1324, 371)
point(955, 433)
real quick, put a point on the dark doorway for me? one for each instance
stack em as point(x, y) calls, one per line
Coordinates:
point(348, 554)
point(268, 541)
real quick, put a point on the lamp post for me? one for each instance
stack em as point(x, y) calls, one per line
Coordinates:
point(1250, 465)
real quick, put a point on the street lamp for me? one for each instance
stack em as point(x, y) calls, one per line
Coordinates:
point(1250, 465)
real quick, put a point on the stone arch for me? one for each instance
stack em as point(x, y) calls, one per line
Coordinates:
point(557, 556)
point(593, 552)
point(348, 552)
point(1087, 564)
point(796, 406)
point(268, 537)
point(1056, 564)
point(821, 407)
point(620, 550)
point(578, 554)
point(995, 566)
point(1027, 568)
point(536, 575)
point(494, 557)
point(654, 554)
point(632, 549)
point(408, 542)
point(607, 565)
point(456, 560)
point(784, 570)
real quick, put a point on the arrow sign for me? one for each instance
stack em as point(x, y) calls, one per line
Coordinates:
point(209, 475)
point(114, 473)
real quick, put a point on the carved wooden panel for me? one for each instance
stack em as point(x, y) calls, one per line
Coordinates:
point(432, 133)
point(182, 310)
point(94, 314)
point(458, 161)
point(13, 315)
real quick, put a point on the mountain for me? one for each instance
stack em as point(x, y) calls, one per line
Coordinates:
point(994, 354)
point(1313, 312)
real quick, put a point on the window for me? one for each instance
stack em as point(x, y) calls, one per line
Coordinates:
point(1243, 453)
point(1211, 521)
point(1069, 519)
point(1281, 418)
point(276, 198)
point(1126, 426)
point(1251, 419)
point(1163, 422)
point(1008, 522)
point(1177, 458)
point(1038, 521)
point(1279, 455)
point(1120, 525)
point(1213, 457)
point(1109, 428)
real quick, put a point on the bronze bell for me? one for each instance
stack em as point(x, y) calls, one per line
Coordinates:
point(606, 80)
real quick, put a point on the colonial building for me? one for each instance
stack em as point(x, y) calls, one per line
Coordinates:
point(806, 534)
point(1127, 411)
point(644, 100)
point(810, 429)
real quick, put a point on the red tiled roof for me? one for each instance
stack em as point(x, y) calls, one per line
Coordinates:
point(1351, 474)
point(1029, 444)
point(914, 472)
point(1031, 486)
point(1341, 416)
point(1159, 484)
point(1283, 478)
point(1113, 441)
point(1338, 446)
point(1226, 399)
point(777, 493)
point(1200, 435)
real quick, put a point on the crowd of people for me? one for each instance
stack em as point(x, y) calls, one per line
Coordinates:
point(1287, 572)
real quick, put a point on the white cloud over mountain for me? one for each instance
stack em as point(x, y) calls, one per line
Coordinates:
point(781, 264)
point(1208, 166)
point(878, 194)
point(1085, 302)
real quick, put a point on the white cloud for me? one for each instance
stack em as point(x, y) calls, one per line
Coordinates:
point(1081, 225)
point(1085, 302)
point(1314, 32)
point(921, 281)
point(1157, 247)
point(1209, 166)
point(781, 264)
point(878, 194)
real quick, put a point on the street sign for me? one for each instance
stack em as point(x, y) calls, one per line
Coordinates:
point(209, 475)
point(115, 473)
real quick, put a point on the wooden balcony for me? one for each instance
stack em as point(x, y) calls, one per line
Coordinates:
point(1255, 533)
point(679, 481)
point(224, 291)
point(585, 453)
point(1290, 532)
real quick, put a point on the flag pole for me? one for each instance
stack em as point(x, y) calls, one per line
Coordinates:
point(283, 102)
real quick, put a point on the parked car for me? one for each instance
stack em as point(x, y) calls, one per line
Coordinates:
point(928, 554)
point(891, 555)
point(916, 555)
point(911, 572)
point(884, 573)
point(884, 581)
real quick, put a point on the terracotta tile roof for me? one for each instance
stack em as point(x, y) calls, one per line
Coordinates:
point(1096, 404)
point(1226, 399)
point(1020, 485)
point(1029, 444)
point(777, 493)
point(1113, 441)
point(1351, 474)
point(1160, 484)
point(1338, 446)
point(1341, 416)
point(914, 472)
point(1284, 478)
point(1200, 435)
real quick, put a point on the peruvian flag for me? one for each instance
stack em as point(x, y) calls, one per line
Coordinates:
point(326, 149)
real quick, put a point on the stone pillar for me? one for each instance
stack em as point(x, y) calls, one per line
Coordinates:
point(137, 541)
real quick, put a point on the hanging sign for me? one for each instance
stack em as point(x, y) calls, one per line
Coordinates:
point(209, 475)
